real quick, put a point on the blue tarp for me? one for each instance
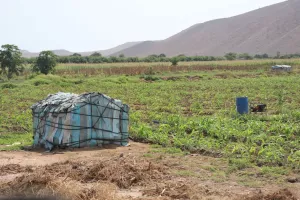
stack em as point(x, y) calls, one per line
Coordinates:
point(86, 120)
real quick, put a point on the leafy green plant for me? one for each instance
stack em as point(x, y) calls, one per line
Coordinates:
point(151, 78)
point(8, 86)
point(294, 159)
point(38, 82)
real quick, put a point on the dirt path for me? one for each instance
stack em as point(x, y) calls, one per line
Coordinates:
point(41, 158)
point(133, 172)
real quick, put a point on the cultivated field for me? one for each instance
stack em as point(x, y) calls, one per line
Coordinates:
point(200, 147)
point(143, 67)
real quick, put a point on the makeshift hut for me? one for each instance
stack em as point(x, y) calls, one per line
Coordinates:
point(86, 120)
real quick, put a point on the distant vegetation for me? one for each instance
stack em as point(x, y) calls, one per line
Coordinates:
point(12, 62)
point(45, 63)
point(98, 58)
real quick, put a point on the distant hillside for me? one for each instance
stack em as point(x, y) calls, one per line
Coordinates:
point(266, 30)
point(113, 50)
point(62, 52)
point(28, 54)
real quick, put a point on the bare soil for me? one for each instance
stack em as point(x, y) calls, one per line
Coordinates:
point(133, 172)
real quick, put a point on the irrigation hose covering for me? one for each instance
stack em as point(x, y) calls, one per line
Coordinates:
point(86, 120)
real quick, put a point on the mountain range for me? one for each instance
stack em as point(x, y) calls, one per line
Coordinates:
point(63, 52)
point(271, 29)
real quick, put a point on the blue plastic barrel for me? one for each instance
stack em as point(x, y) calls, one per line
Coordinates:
point(242, 105)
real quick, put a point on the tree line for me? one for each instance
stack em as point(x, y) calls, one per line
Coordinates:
point(12, 62)
point(98, 58)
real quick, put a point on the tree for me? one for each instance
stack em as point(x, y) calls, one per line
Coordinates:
point(11, 60)
point(113, 59)
point(121, 56)
point(245, 56)
point(76, 54)
point(45, 63)
point(258, 56)
point(162, 55)
point(96, 54)
point(230, 56)
point(174, 61)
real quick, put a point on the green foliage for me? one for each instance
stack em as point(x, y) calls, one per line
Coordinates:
point(98, 58)
point(38, 82)
point(231, 56)
point(76, 54)
point(8, 86)
point(294, 159)
point(150, 71)
point(150, 78)
point(245, 56)
point(45, 63)
point(262, 56)
point(79, 81)
point(191, 115)
point(174, 61)
point(96, 54)
point(238, 164)
point(11, 60)
point(273, 171)
point(15, 141)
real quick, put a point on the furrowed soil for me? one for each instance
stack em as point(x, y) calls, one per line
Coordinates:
point(134, 172)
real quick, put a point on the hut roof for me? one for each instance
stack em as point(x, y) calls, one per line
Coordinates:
point(63, 102)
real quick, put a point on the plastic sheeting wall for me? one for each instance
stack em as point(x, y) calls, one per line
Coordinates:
point(87, 120)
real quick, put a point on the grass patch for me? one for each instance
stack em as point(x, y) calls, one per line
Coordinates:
point(236, 164)
point(167, 150)
point(14, 141)
point(219, 176)
point(274, 171)
point(156, 146)
point(8, 86)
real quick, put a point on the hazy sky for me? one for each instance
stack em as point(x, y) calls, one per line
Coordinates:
point(86, 25)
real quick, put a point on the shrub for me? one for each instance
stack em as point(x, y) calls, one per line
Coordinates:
point(78, 81)
point(8, 86)
point(151, 78)
point(38, 82)
point(174, 61)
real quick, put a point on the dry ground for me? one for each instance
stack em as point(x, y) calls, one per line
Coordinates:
point(134, 172)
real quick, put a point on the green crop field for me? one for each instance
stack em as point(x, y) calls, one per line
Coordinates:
point(192, 110)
